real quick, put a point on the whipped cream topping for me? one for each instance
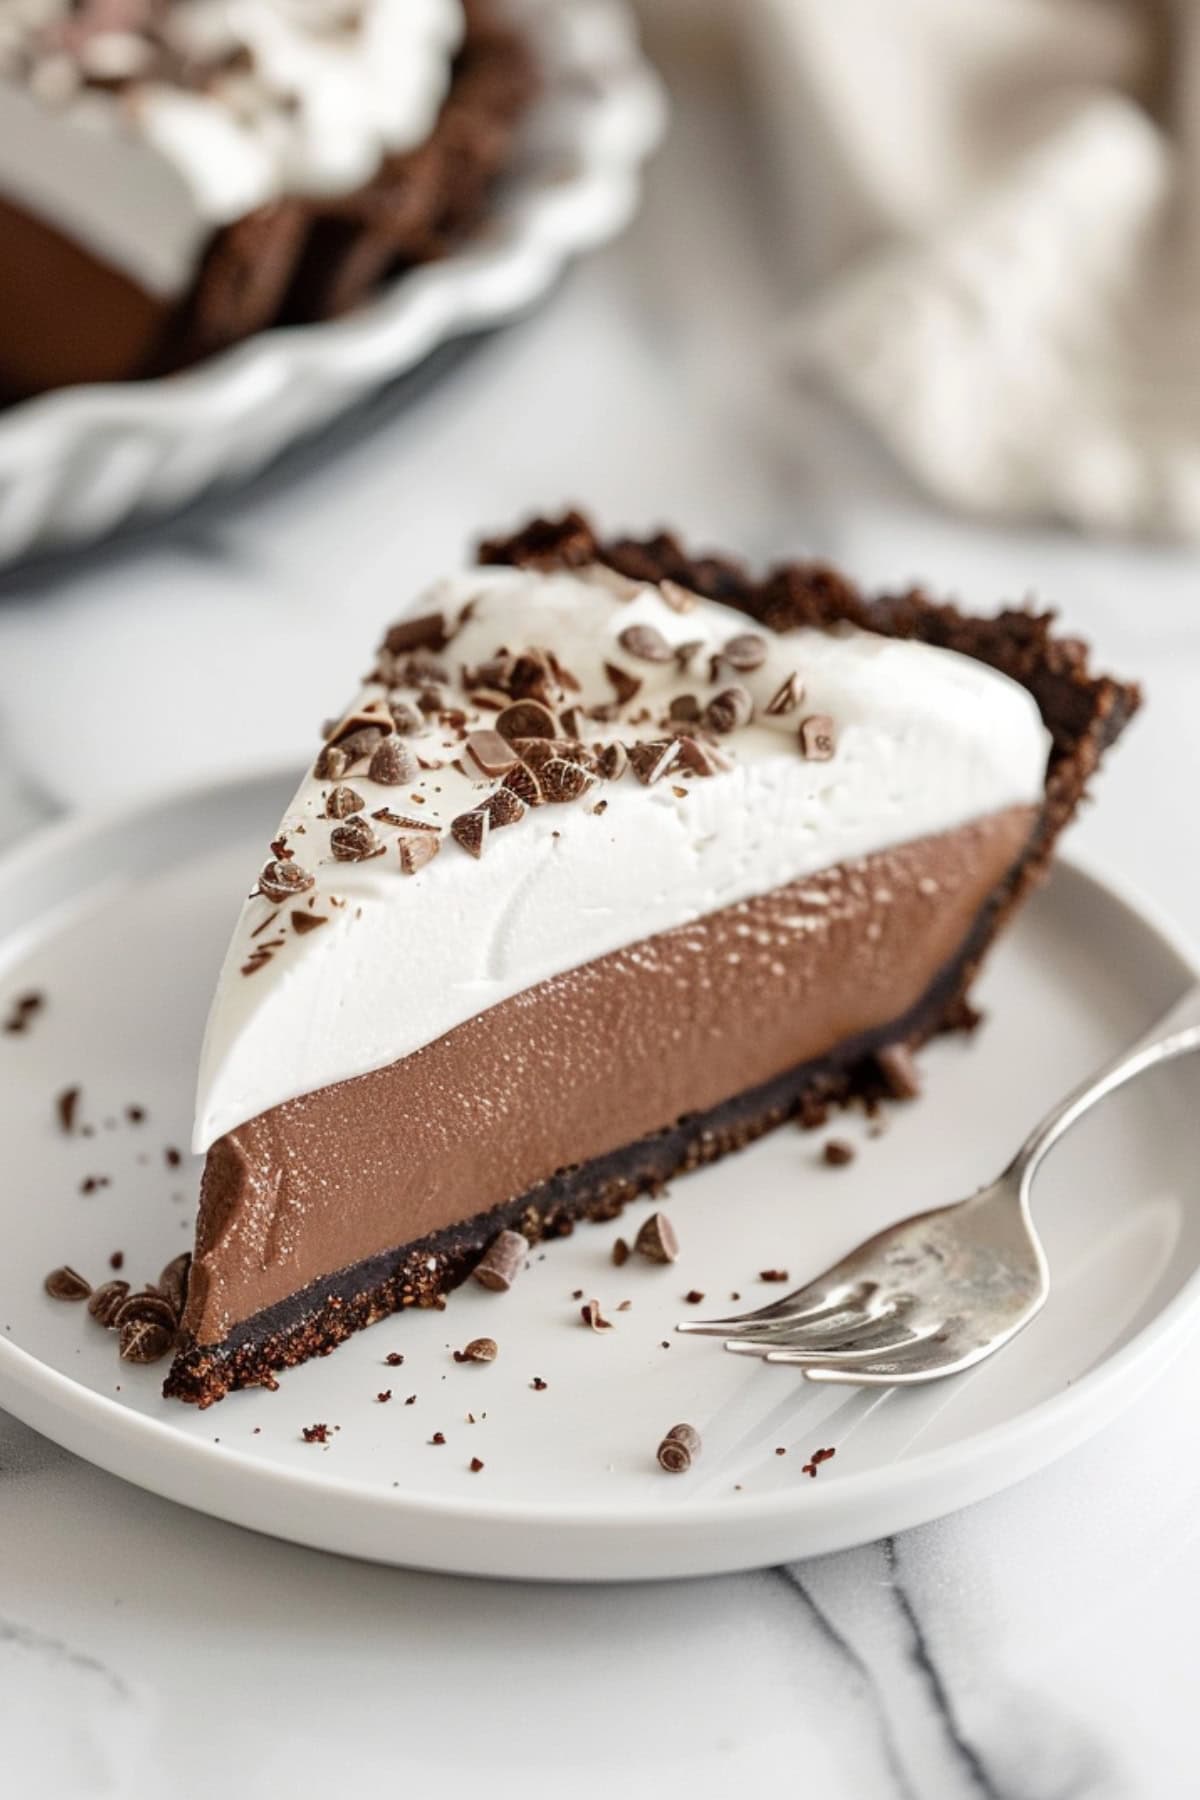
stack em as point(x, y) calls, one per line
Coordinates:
point(140, 129)
point(924, 740)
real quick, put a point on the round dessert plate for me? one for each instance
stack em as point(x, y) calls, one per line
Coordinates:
point(75, 464)
point(120, 925)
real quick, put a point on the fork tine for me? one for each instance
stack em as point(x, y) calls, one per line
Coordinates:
point(871, 1332)
point(824, 1302)
point(850, 1356)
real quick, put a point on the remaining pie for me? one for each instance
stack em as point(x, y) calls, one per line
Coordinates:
point(176, 174)
point(621, 857)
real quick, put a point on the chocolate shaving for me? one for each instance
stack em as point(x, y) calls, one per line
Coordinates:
point(340, 802)
point(354, 841)
point(679, 1449)
point(626, 686)
point(818, 740)
point(656, 1239)
point(502, 1261)
point(392, 763)
point(651, 761)
point(491, 751)
point(66, 1106)
point(772, 1274)
point(304, 922)
point(729, 709)
point(281, 880)
point(527, 719)
point(592, 1317)
point(67, 1284)
point(787, 696)
point(647, 643)
point(416, 849)
point(25, 1009)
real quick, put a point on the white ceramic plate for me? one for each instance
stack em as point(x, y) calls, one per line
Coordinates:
point(74, 464)
point(122, 925)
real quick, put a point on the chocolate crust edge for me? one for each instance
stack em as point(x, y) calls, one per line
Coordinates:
point(314, 1321)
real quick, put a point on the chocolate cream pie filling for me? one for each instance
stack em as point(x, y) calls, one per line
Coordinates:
point(597, 879)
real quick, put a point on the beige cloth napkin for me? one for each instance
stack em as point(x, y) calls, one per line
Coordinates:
point(995, 211)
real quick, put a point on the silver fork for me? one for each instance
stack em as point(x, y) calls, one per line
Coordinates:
point(943, 1289)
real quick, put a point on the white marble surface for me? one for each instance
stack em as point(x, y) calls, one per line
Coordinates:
point(1041, 1646)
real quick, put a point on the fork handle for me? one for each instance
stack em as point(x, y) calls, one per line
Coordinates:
point(1177, 1033)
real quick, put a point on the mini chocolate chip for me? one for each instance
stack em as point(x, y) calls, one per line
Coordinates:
point(284, 880)
point(331, 764)
point(439, 1437)
point(613, 761)
point(729, 709)
point(475, 1465)
point(148, 1306)
point(702, 758)
point(392, 763)
point(340, 802)
point(492, 752)
point(502, 1261)
point(625, 685)
point(353, 841)
point(416, 848)
point(818, 740)
point(527, 719)
point(620, 1253)
point(361, 743)
point(406, 717)
point(144, 1341)
point(646, 642)
point(67, 1284)
point(651, 761)
point(503, 808)
point(470, 829)
point(745, 652)
point(787, 696)
point(772, 1274)
point(679, 1449)
point(107, 1301)
point(656, 1239)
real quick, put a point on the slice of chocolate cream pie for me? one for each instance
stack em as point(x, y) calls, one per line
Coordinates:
point(620, 858)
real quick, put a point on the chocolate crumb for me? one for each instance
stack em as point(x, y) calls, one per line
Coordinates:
point(66, 1106)
point(117, 1260)
point(480, 1350)
point(818, 740)
point(679, 1449)
point(899, 1070)
point(693, 1296)
point(538, 1385)
point(591, 1315)
point(625, 1306)
point(439, 1437)
point(135, 1114)
point(315, 1434)
point(411, 1401)
point(25, 1009)
point(67, 1284)
point(393, 1359)
point(502, 1261)
point(772, 1274)
point(577, 1293)
point(383, 1396)
point(620, 1252)
point(656, 1239)
point(173, 1157)
point(815, 1460)
point(91, 1184)
point(837, 1153)
point(780, 1450)
point(475, 1465)
point(304, 922)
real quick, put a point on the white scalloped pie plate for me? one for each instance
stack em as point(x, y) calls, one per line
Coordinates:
point(75, 464)
point(121, 923)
